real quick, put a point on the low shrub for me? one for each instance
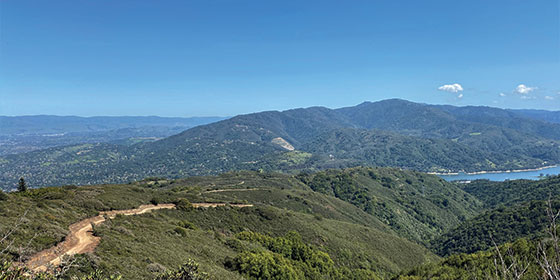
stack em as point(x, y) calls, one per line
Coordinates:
point(183, 204)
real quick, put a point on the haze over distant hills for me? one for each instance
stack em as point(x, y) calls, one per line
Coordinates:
point(543, 115)
point(392, 132)
point(27, 133)
point(47, 124)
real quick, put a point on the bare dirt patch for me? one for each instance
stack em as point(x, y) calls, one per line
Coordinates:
point(230, 190)
point(81, 240)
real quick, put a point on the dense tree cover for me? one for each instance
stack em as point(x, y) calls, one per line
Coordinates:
point(288, 257)
point(521, 260)
point(350, 146)
point(451, 122)
point(388, 133)
point(497, 226)
point(417, 206)
point(513, 191)
point(520, 120)
point(543, 115)
point(515, 209)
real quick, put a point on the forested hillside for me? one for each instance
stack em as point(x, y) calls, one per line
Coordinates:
point(514, 191)
point(415, 205)
point(520, 220)
point(515, 209)
point(393, 132)
point(497, 226)
point(543, 115)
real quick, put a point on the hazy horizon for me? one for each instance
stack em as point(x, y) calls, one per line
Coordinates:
point(280, 110)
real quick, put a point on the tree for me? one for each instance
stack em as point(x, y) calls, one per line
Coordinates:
point(183, 204)
point(22, 186)
point(3, 196)
point(188, 271)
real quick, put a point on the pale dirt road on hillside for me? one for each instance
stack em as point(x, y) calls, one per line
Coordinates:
point(230, 190)
point(81, 240)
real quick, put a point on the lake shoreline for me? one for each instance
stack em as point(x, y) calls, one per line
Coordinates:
point(493, 172)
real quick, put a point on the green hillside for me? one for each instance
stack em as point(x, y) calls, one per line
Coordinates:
point(520, 261)
point(501, 225)
point(515, 209)
point(382, 148)
point(513, 191)
point(338, 236)
point(416, 205)
point(393, 133)
point(523, 228)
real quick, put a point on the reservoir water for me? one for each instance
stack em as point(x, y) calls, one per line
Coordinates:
point(502, 176)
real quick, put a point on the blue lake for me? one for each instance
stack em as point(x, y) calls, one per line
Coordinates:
point(502, 176)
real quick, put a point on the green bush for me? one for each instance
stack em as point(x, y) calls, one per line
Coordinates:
point(288, 258)
point(11, 272)
point(235, 244)
point(3, 196)
point(155, 201)
point(188, 271)
point(264, 265)
point(181, 231)
point(183, 204)
point(187, 225)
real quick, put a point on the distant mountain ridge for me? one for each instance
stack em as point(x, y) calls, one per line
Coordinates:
point(391, 132)
point(543, 115)
point(28, 133)
point(50, 124)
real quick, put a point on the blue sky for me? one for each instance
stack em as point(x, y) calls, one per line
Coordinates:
point(202, 58)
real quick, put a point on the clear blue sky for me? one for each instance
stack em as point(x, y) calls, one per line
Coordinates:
point(201, 58)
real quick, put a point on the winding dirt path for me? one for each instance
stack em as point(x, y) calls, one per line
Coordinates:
point(231, 190)
point(81, 240)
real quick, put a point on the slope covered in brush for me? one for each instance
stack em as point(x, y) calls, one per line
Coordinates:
point(387, 133)
point(347, 240)
point(416, 205)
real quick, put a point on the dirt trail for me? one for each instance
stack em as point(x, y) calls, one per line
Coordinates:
point(80, 239)
point(230, 190)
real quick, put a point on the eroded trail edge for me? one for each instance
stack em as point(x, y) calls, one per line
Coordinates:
point(81, 240)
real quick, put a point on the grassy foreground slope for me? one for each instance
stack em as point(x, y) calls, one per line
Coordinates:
point(138, 247)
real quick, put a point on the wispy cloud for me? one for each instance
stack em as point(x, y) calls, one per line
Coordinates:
point(451, 88)
point(502, 94)
point(523, 89)
point(460, 95)
point(549, 97)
